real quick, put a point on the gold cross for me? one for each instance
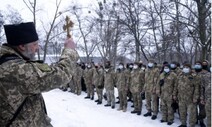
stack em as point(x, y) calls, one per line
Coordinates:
point(69, 24)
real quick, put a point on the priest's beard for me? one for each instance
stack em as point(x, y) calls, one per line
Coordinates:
point(28, 53)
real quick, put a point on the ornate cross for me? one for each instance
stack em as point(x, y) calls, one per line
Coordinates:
point(69, 24)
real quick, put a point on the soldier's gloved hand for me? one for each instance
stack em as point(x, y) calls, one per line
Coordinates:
point(161, 82)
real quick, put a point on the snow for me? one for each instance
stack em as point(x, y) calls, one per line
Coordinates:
point(70, 110)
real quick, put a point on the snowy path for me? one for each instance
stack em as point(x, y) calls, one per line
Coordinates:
point(69, 110)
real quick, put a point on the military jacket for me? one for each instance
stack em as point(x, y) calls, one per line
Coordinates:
point(121, 81)
point(109, 79)
point(206, 85)
point(187, 87)
point(166, 89)
point(137, 81)
point(151, 79)
point(98, 76)
point(89, 76)
point(21, 83)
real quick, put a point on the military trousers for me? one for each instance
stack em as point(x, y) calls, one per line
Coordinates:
point(110, 97)
point(151, 102)
point(90, 89)
point(208, 112)
point(137, 101)
point(187, 108)
point(123, 99)
point(99, 93)
point(78, 87)
point(167, 110)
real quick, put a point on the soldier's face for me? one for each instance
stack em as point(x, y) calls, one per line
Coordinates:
point(30, 50)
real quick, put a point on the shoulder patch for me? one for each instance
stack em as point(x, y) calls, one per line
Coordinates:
point(43, 67)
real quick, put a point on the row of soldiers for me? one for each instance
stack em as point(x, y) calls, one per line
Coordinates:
point(187, 88)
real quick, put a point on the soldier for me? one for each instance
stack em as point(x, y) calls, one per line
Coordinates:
point(83, 85)
point(151, 77)
point(98, 79)
point(129, 68)
point(79, 75)
point(186, 90)
point(23, 79)
point(164, 89)
point(72, 84)
point(201, 114)
point(89, 81)
point(136, 87)
point(122, 87)
point(109, 85)
point(205, 94)
point(175, 67)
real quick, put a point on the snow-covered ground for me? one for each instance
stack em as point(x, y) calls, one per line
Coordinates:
point(69, 110)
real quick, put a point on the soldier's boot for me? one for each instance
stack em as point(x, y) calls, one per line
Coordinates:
point(64, 89)
point(92, 97)
point(118, 102)
point(182, 125)
point(134, 111)
point(113, 106)
point(170, 123)
point(129, 100)
point(148, 114)
point(154, 117)
point(87, 97)
point(107, 105)
point(162, 121)
point(132, 106)
point(202, 124)
point(139, 113)
point(99, 102)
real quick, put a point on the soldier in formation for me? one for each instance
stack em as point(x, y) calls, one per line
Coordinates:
point(186, 90)
point(151, 78)
point(122, 87)
point(109, 84)
point(136, 87)
point(164, 89)
point(98, 80)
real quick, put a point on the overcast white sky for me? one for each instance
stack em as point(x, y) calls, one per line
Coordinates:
point(46, 7)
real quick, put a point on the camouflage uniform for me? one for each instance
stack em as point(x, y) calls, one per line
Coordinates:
point(187, 91)
point(151, 77)
point(136, 87)
point(98, 77)
point(109, 87)
point(206, 94)
point(89, 82)
point(22, 82)
point(122, 89)
point(201, 113)
point(72, 84)
point(165, 88)
point(127, 73)
point(78, 77)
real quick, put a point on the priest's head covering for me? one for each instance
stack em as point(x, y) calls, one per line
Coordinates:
point(18, 34)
